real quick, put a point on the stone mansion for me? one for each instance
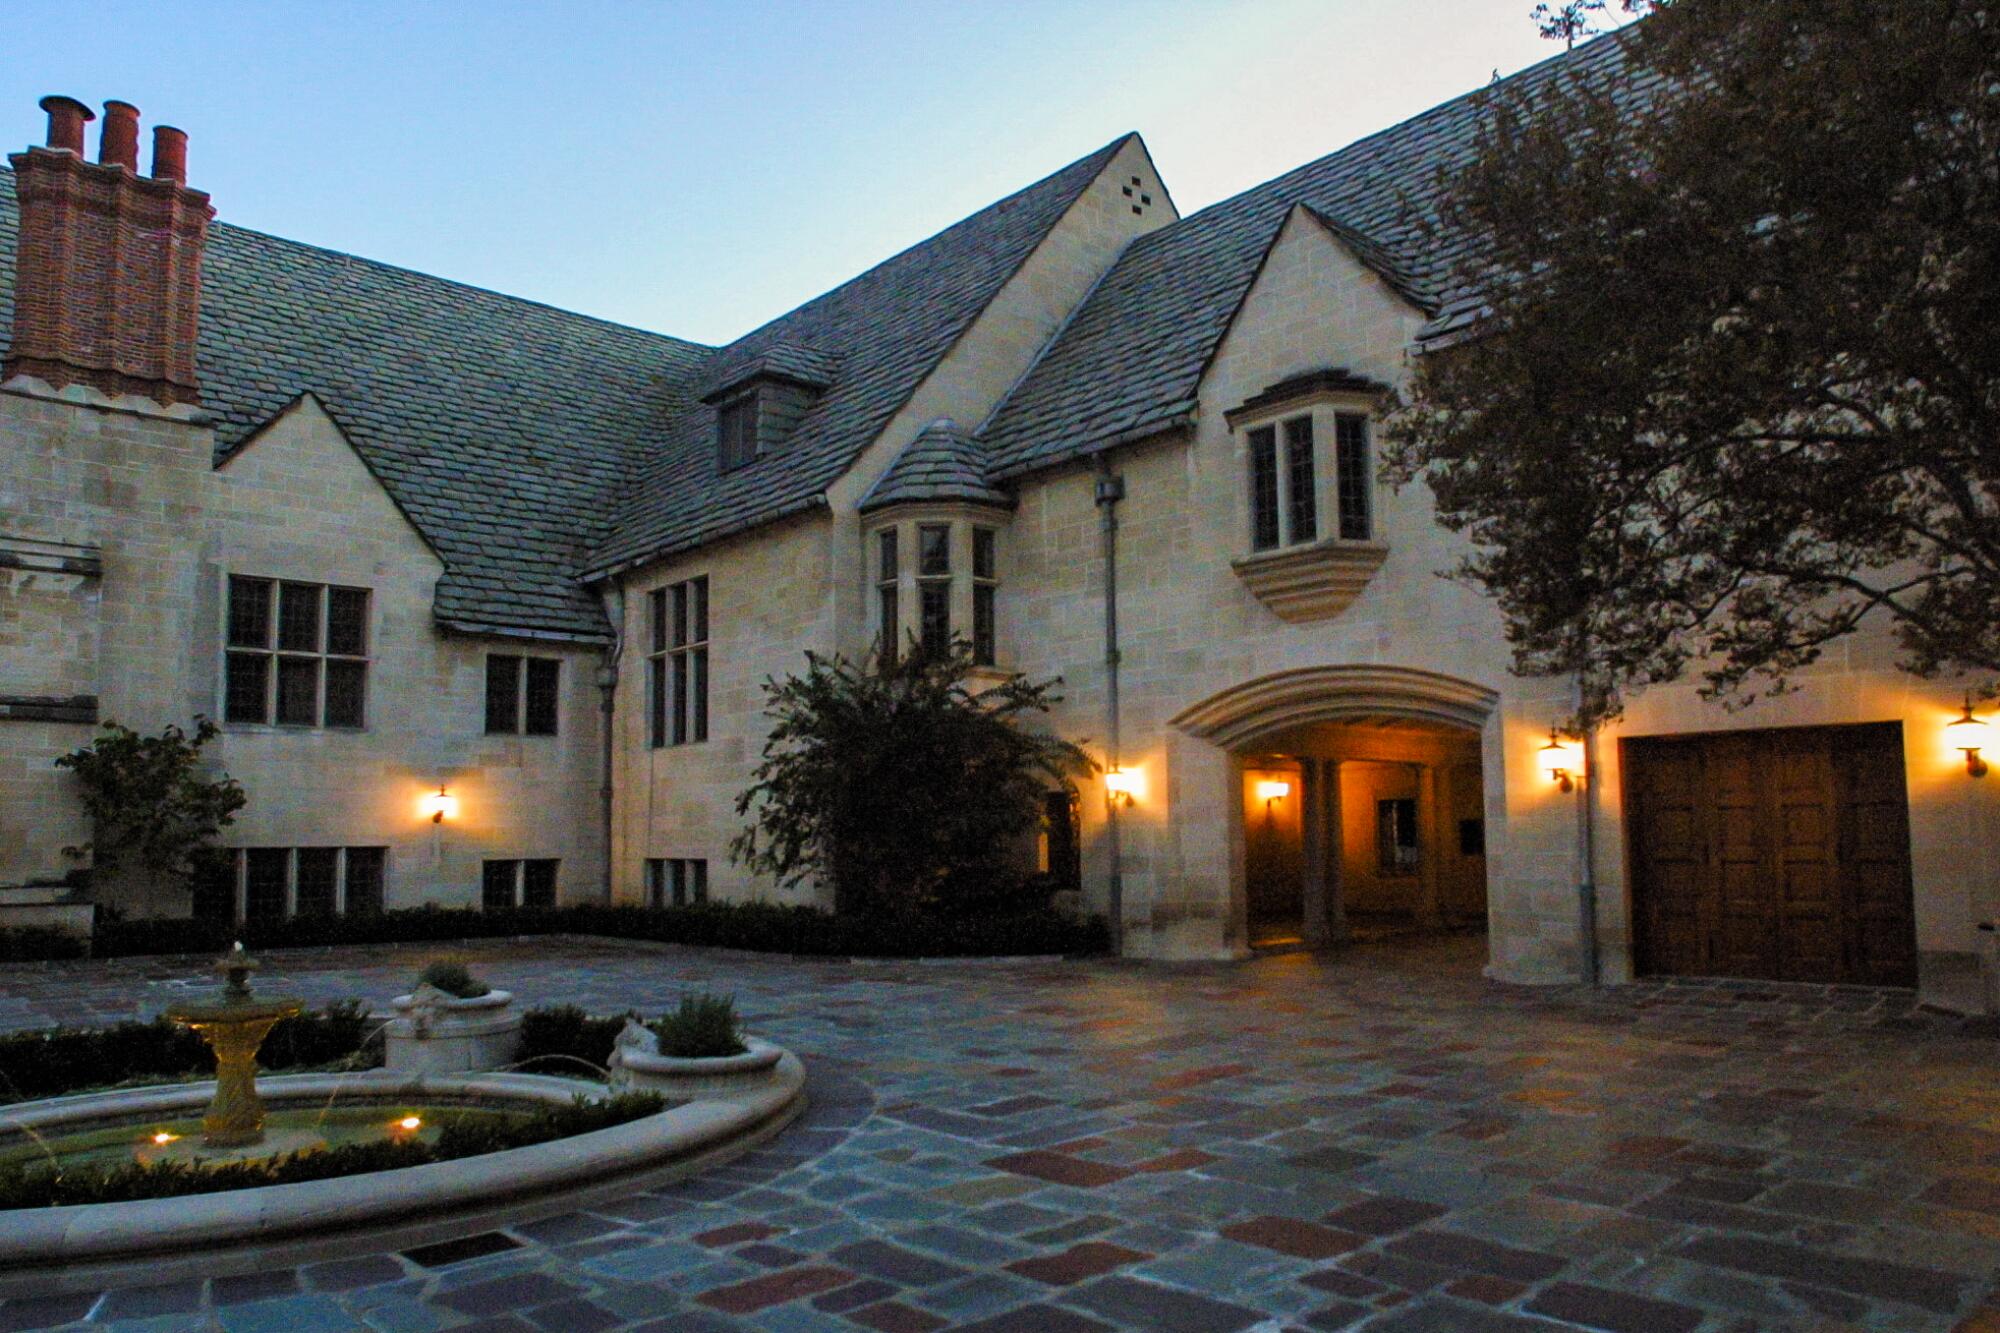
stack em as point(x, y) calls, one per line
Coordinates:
point(483, 593)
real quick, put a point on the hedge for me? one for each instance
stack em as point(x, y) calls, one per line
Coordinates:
point(51, 1063)
point(468, 1136)
point(760, 927)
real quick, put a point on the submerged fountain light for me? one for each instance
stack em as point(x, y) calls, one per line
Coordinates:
point(410, 1122)
point(162, 1139)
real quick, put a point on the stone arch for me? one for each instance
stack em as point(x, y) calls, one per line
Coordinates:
point(1240, 715)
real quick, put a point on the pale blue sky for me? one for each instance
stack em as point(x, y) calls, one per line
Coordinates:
point(698, 168)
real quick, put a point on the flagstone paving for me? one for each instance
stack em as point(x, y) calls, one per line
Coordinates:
point(1381, 1140)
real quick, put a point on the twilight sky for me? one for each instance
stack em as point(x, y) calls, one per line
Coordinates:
point(699, 168)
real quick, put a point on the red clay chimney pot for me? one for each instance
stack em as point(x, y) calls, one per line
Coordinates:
point(170, 154)
point(66, 121)
point(118, 146)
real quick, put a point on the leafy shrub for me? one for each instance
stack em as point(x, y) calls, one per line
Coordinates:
point(49, 1064)
point(39, 1187)
point(453, 978)
point(28, 944)
point(759, 927)
point(561, 1038)
point(149, 800)
point(704, 1027)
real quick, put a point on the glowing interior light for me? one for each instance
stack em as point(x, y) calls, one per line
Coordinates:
point(1273, 791)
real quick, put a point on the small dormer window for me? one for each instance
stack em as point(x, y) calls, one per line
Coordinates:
point(736, 431)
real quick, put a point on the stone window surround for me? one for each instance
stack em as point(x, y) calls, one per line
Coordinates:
point(523, 718)
point(516, 869)
point(676, 881)
point(366, 659)
point(962, 520)
point(1319, 579)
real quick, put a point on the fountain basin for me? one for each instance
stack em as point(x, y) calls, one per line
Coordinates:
point(69, 1247)
point(447, 1034)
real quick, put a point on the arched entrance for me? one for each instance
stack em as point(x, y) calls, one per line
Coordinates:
point(1361, 793)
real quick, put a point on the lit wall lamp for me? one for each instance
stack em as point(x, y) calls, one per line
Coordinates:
point(1560, 762)
point(1969, 735)
point(1269, 790)
point(439, 806)
point(1123, 785)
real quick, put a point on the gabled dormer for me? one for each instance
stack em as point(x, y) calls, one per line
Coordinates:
point(759, 399)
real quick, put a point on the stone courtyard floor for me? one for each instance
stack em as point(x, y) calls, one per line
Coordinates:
point(1381, 1140)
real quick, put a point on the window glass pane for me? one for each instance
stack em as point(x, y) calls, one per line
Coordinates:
point(698, 591)
point(982, 624)
point(1299, 464)
point(298, 616)
point(658, 598)
point(249, 612)
point(496, 884)
point(365, 867)
point(698, 724)
point(656, 881)
point(680, 718)
point(298, 691)
point(215, 886)
point(544, 680)
point(503, 687)
point(346, 693)
point(1396, 836)
point(698, 881)
point(316, 880)
point(680, 614)
point(892, 633)
point(934, 616)
point(1263, 488)
point(736, 431)
point(246, 680)
point(887, 565)
point(656, 702)
point(347, 621)
point(983, 562)
point(679, 882)
point(264, 883)
point(1351, 475)
point(538, 883)
point(933, 549)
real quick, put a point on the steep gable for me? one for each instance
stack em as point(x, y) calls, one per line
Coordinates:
point(886, 330)
point(500, 426)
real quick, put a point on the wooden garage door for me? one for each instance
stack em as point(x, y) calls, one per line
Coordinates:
point(1782, 855)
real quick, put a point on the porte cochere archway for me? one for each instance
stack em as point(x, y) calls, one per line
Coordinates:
point(1355, 800)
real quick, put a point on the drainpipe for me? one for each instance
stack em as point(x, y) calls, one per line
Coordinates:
point(1110, 490)
point(607, 687)
point(1586, 795)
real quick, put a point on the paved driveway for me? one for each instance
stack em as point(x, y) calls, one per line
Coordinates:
point(1381, 1140)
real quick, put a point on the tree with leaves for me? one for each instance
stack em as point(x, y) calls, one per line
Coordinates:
point(898, 785)
point(152, 806)
point(1736, 388)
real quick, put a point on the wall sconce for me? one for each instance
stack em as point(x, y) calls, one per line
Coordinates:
point(1123, 785)
point(1269, 790)
point(439, 805)
point(1560, 762)
point(1969, 735)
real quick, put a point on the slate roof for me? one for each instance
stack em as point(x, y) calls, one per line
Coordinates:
point(502, 427)
point(889, 328)
point(942, 465)
point(813, 367)
point(1130, 360)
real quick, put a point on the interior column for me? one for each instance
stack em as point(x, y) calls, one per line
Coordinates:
point(1429, 852)
point(1334, 862)
point(1312, 849)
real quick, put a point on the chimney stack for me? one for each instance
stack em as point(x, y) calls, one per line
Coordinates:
point(107, 279)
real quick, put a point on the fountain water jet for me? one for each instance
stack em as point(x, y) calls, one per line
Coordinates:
point(234, 1025)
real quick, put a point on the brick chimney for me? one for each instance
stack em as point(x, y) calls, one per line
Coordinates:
point(107, 280)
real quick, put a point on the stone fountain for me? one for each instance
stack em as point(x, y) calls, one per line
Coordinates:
point(234, 1025)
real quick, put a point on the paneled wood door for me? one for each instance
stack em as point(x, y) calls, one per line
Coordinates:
point(1782, 855)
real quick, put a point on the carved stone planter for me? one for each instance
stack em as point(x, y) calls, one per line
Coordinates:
point(436, 1033)
point(638, 1066)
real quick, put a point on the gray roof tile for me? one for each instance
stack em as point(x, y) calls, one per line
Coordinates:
point(943, 464)
point(501, 427)
point(1131, 359)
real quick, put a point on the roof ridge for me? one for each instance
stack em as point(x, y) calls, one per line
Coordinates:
point(1106, 152)
point(461, 285)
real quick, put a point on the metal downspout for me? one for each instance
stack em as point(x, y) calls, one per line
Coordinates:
point(1110, 490)
point(1587, 851)
point(607, 686)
